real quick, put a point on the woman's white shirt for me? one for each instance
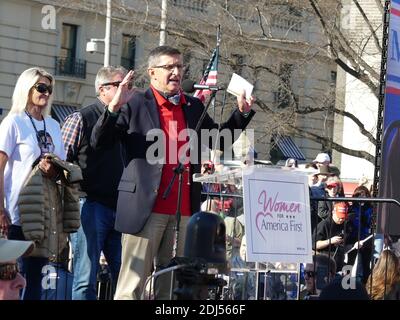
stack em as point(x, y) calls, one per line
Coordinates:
point(18, 140)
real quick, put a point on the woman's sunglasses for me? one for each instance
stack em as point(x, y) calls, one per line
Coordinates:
point(43, 88)
point(8, 271)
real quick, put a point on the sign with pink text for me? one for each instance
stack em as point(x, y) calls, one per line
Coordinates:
point(277, 216)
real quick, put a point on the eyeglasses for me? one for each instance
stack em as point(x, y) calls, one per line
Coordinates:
point(171, 67)
point(331, 186)
point(43, 88)
point(310, 274)
point(8, 271)
point(116, 84)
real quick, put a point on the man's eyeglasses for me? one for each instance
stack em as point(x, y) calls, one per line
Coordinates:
point(309, 274)
point(171, 67)
point(116, 84)
point(43, 88)
point(8, 271)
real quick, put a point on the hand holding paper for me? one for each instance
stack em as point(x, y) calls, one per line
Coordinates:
point(238, 84)
point(242, 89)
point(355, 246)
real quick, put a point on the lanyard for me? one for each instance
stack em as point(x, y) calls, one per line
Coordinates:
point(41, 139)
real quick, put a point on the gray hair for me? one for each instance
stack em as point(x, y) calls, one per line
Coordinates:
point(24, 84)
point(105, 74)
point(157, 52)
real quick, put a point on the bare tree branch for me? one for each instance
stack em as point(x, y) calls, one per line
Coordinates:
point(315, 137)
point(326, 141)
point(376, 40)
point(183, 35)
point(360, 76)
point(380, 6)
point(347, 51)
point(360, 125)
point(260, 37)
point(269, 35)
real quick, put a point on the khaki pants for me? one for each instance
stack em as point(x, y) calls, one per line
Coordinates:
point(154, 243)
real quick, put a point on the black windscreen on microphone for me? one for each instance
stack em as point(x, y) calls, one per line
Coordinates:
point(188, 86)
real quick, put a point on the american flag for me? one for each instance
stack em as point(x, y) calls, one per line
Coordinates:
point(209, 76)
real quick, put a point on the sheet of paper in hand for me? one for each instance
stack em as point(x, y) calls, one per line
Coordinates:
point(238, 84)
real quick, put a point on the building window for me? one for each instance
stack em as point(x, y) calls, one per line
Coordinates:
point(66, 63)
point(286, 24)
point(289, 19)
point(203, 67)
point(68, 41)
point(238, 61)
point(187, 57)
point(192, 5)
point(243, 14)
point(333, 78)
point(128, 51)
point(282, 96)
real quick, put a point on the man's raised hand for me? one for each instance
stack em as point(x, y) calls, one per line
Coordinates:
point(124, 93)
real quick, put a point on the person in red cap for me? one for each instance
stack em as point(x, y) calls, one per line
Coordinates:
point(329, 236)
point(333, 188)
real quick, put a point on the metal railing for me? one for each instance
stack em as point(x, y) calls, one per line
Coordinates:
point(70, 67)
point(351, 199)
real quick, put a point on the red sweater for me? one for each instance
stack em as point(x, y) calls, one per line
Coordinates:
point(172, 122)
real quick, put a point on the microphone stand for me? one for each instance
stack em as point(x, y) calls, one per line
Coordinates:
point(178, 171)
point(214, 149)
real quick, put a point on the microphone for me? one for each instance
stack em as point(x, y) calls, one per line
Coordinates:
point(190, 86)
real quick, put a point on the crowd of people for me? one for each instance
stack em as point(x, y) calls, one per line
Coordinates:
point(342, 243)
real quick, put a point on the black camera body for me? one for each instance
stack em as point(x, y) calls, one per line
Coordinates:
point(204, 257)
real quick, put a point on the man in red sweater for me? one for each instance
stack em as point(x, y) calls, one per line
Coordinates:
point(146, 219)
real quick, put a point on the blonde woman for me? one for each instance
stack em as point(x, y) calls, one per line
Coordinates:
point(26, 134)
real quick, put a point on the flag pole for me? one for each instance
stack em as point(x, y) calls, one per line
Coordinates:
point(217, 57)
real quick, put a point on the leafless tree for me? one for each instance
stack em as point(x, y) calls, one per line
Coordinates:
point(279, 45)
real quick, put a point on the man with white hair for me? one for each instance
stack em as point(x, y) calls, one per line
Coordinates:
point(11, 281)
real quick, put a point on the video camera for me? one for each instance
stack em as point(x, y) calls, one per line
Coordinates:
point(204, 257)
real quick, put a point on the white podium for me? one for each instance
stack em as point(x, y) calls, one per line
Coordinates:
point(277, 222)
point(277, 212)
